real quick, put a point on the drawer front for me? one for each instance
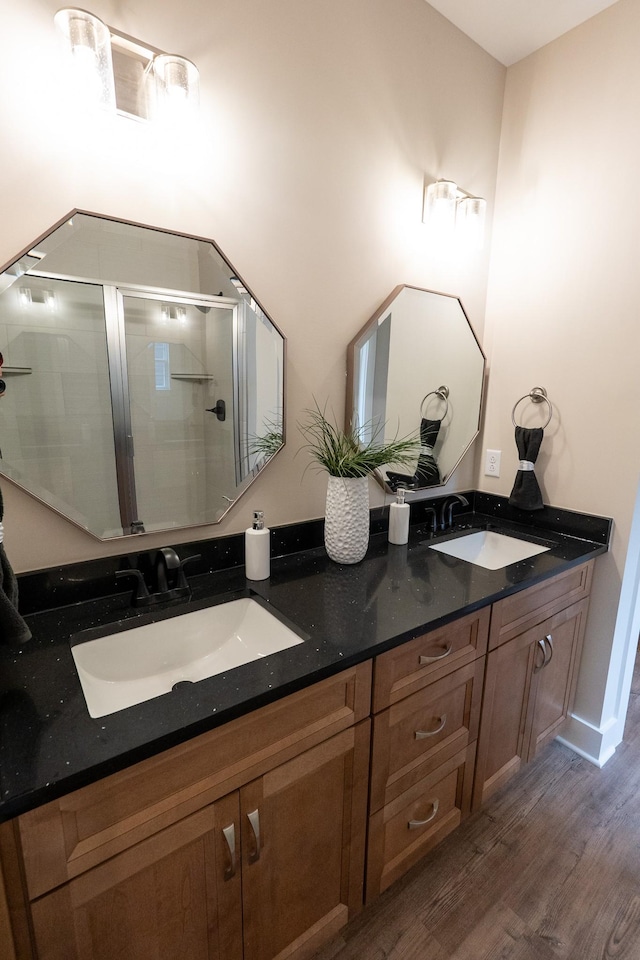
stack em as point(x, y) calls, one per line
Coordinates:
point(416, 735)
point(62, 839)
point(523, 610)
point(408, 827)
point(415, 664)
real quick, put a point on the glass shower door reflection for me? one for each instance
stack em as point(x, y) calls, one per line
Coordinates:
point(179, 364)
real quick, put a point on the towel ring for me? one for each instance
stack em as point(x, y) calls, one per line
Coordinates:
point(443, 394)
point(536, 395)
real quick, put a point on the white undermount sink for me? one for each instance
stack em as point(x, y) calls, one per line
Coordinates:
point(489, 549)
point(123, 669)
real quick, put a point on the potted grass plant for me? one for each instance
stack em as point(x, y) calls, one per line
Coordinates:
point(349, 462)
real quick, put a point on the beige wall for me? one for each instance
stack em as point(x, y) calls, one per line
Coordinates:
point(563, 308)
point(318, 124)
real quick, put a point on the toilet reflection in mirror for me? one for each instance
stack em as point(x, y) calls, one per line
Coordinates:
point(416, 368)
point(146, 380)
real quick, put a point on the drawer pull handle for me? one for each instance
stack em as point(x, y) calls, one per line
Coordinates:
point(440, 656)
point(423, 734)
point(415, 824)
point(549, 640)
point(538, 667)
point(254, 822)
point(229, 833)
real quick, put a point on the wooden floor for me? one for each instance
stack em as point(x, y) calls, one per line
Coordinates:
point(548, 870)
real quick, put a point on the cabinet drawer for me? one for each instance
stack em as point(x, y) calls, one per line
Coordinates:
point(413, 665)
point(416, 735)
point(405, 829)
point(62, 839)
point(523, 610)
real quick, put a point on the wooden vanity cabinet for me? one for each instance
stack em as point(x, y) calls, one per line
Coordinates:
point(248, 842)
point(532, 665)
point(188, 855)
point(427, 697)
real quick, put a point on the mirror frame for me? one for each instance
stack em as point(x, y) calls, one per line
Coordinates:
point(255, 471)
point(362, 335)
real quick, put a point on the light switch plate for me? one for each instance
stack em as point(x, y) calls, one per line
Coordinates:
point(492, 463)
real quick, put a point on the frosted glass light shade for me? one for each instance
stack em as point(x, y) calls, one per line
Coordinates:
point(440, 207)
point(90, 45)
point(471, 215)
point(177, 86)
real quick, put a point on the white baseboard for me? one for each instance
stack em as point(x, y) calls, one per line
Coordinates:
point(595, 744)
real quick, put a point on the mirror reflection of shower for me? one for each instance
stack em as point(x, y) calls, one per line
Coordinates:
point(135, 407)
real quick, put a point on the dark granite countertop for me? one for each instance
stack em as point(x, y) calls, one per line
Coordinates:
point(49, 745)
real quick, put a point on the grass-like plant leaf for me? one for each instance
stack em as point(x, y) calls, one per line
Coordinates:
point(341, 452)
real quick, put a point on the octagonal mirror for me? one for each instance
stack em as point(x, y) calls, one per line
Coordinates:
point(417, 369)
point(144, 381)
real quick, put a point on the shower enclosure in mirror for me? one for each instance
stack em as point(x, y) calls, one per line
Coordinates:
point(416, 368)
point(144, 381)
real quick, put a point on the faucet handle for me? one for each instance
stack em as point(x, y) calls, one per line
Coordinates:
point(182, 580)
point(141, 592)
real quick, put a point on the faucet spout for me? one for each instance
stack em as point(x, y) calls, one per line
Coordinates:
point(446, 514)
point(167, 567)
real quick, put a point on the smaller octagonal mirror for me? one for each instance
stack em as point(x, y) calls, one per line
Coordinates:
point(416, 368)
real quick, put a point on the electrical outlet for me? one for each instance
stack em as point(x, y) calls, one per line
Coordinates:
point(492, 463)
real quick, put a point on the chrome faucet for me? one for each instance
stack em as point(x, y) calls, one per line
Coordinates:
point(446, 513)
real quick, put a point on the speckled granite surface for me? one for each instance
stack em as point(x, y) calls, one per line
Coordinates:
point(49, 745)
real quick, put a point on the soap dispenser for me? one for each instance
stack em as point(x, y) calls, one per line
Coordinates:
point(257, 549)
point(399, 519)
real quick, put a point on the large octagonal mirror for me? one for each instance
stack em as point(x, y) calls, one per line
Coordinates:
point(416, 368)
point(144, 381)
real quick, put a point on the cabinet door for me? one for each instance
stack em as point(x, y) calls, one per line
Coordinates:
point(556, 681)
point(505, 719)
point(529, 689)
point(303, 837)
point(174, 895)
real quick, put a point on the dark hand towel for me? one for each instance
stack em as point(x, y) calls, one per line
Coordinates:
point(13, 629)
point(427, 473)
point(526, 493)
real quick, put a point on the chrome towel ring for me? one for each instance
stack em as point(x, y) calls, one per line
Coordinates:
point(443, 394)
point(536, 395)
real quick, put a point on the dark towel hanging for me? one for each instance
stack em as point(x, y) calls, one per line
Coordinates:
point(427, 472)
point(13, 629)
point(526, 493)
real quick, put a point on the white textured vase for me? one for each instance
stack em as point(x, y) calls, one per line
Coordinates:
point(346, 524)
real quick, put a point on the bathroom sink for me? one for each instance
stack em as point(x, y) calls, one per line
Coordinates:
point(122, 669)
point(489, 549)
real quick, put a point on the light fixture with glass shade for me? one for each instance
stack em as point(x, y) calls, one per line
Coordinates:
point(124, 75)
point(89, 40)
point(176, 85)
point(449, 212)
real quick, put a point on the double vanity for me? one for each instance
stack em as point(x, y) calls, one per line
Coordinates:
point(253, 812)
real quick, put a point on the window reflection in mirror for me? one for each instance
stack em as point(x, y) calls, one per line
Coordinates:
point(145, 377)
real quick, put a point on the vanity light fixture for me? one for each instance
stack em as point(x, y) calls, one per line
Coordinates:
point(89, 40)
point(28, 296)
point(121, 74)
point(448, 210)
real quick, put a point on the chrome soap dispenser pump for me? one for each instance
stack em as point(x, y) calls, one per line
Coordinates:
point(257, 549)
